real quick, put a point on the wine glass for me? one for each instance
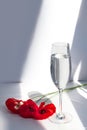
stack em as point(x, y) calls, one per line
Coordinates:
point(60, 73)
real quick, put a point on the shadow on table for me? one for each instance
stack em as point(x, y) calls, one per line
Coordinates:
point(79, 100)
point(15, 122)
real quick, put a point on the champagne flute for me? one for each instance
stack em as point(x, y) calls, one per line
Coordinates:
point(60, 73)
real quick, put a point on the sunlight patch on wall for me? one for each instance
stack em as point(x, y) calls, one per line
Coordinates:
point(77, 72)
point(56, 22)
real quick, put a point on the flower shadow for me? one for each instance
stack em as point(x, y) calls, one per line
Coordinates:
point(39, 97)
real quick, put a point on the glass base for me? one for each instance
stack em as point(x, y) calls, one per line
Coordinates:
point(60, 119)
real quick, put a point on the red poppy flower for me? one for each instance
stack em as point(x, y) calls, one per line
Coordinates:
point(45, 111)
point(28, 109)
point(13, 104)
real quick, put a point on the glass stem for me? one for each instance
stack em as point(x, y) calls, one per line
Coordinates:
point(60, 114)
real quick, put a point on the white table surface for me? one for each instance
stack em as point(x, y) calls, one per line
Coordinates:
point(74, 102)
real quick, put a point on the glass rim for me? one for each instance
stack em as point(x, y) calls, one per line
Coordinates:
point(60, 47)
point(60, 44)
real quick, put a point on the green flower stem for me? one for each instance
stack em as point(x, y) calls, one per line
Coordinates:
point(55, 92)
point(74, 87)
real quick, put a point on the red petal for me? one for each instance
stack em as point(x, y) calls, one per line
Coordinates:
point(50, 107)
point(28, 109)
point(41, 105)
point(13, 104)
point(45, 111)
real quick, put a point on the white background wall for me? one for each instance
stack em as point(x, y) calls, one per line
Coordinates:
point(17, 24)
point(27, 30)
